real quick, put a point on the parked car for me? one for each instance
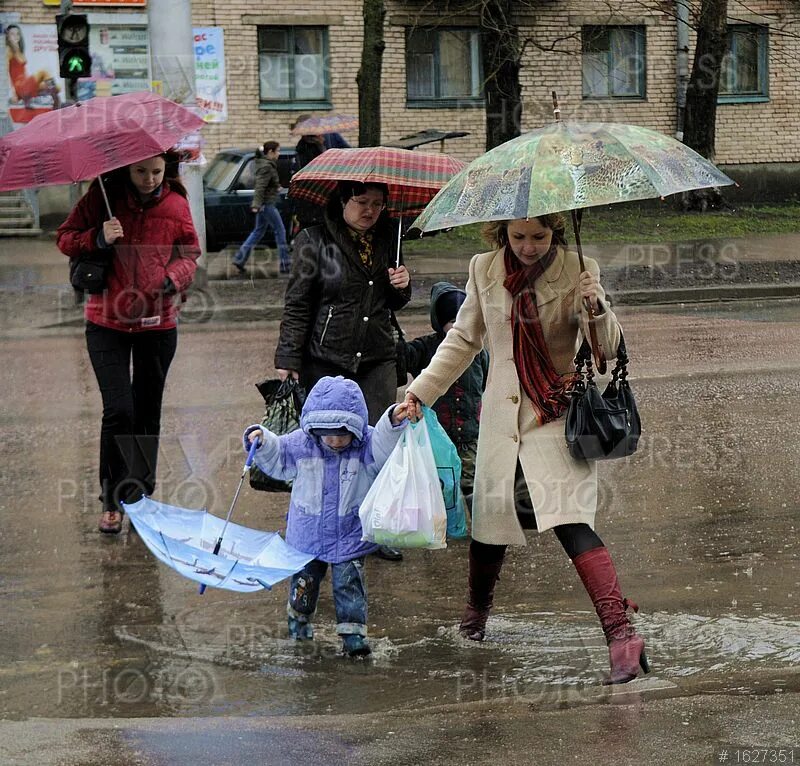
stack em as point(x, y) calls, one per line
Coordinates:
point(228, 188)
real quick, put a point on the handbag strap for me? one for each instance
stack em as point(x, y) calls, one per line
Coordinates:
point(396, 325)
point(584, 359)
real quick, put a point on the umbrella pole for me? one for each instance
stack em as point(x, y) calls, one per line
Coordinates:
point(250, 456)
point(399, 234)
point(105, 196)
point(597, 349)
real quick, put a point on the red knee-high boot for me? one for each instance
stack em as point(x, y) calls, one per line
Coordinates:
point(482, 578)
point(625, 647)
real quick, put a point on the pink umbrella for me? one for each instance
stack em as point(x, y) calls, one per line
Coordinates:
point(89, 138)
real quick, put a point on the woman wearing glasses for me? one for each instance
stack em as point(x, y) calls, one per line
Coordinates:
point(343, 288)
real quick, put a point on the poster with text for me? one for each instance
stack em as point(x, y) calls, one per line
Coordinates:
point(34, 86)
point(120, 61)
point(209, 55)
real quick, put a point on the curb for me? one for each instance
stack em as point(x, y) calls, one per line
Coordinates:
point(274, 311)
point(704, 294)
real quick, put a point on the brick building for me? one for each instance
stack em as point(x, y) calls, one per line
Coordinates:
point(608, 60)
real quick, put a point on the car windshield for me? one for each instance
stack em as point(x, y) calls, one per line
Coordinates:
point(221, 172)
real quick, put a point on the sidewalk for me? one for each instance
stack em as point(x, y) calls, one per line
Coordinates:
point(35, 290)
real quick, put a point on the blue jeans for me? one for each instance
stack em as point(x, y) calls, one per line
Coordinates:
point(349, 594)
point(267, 216)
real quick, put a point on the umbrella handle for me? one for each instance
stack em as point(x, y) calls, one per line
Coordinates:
point(248, 463)
point(597, 349)
point(251, 455)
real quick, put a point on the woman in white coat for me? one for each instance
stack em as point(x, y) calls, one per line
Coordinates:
point(525, 299)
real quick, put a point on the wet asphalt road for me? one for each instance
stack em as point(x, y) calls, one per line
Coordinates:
point(98, 639)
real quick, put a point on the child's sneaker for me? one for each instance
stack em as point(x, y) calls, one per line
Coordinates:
point(356, 646)
point(300, 631)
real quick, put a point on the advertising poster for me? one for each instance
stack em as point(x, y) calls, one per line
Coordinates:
point(120, 60)
point(34, 86)
point(209, 54)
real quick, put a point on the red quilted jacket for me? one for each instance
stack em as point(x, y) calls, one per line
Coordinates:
point(159, 242)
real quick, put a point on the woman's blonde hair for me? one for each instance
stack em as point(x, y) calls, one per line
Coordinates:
point(496, 232)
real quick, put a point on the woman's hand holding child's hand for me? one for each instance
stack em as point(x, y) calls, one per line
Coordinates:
point(412, 407)
point(399, 413)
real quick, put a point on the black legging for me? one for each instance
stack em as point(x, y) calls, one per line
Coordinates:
point(574, 538)
point(131, 407)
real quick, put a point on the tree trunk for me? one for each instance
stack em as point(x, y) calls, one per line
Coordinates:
point(702, 92)
point(500, 56)
point(369, 74)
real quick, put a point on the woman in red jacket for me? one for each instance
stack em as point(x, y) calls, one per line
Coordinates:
point(152, 249)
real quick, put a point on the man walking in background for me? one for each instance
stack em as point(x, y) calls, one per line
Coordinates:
point(267, 215)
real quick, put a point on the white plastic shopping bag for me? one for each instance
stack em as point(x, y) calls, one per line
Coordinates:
point(404, 507)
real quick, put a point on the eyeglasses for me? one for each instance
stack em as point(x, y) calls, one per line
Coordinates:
point(365, 203)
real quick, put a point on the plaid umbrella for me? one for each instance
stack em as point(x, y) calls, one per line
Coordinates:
point(413, 178)
point(319, 126)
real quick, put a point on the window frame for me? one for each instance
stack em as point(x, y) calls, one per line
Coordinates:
point(763, 66)
point(293, 103)
point(438, 101)
point(640, 32)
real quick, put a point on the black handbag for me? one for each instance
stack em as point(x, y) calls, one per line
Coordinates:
point(602, 426)
point(284, 400)
point(88, 272)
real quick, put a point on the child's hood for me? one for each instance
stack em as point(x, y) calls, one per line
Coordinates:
point(335, 403)
point(439, 290)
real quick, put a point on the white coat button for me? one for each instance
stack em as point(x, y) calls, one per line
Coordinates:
point(358, 354)
point(514, 437)
point(371, 283)
point(515, 398)
point(366, 319)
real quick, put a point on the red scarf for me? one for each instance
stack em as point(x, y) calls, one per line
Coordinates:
point(547, 390)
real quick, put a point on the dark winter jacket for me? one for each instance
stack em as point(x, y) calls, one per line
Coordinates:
point(337, 310)
point(267, 181)
point(159, 242)
point(459, 408)
point(328, 486)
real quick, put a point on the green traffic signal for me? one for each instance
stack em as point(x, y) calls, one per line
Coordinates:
point(77, 66)
point(73, 45)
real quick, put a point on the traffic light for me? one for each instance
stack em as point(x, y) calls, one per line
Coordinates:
point(73, 46)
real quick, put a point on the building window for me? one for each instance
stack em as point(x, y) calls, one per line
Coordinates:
point(613, 61)
point(443, 66)
point(744, 75)
point(293, 67)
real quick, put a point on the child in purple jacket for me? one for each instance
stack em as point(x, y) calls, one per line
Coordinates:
point(332, 459)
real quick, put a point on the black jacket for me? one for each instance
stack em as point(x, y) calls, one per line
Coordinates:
point(458, 409)
point(336, 309)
